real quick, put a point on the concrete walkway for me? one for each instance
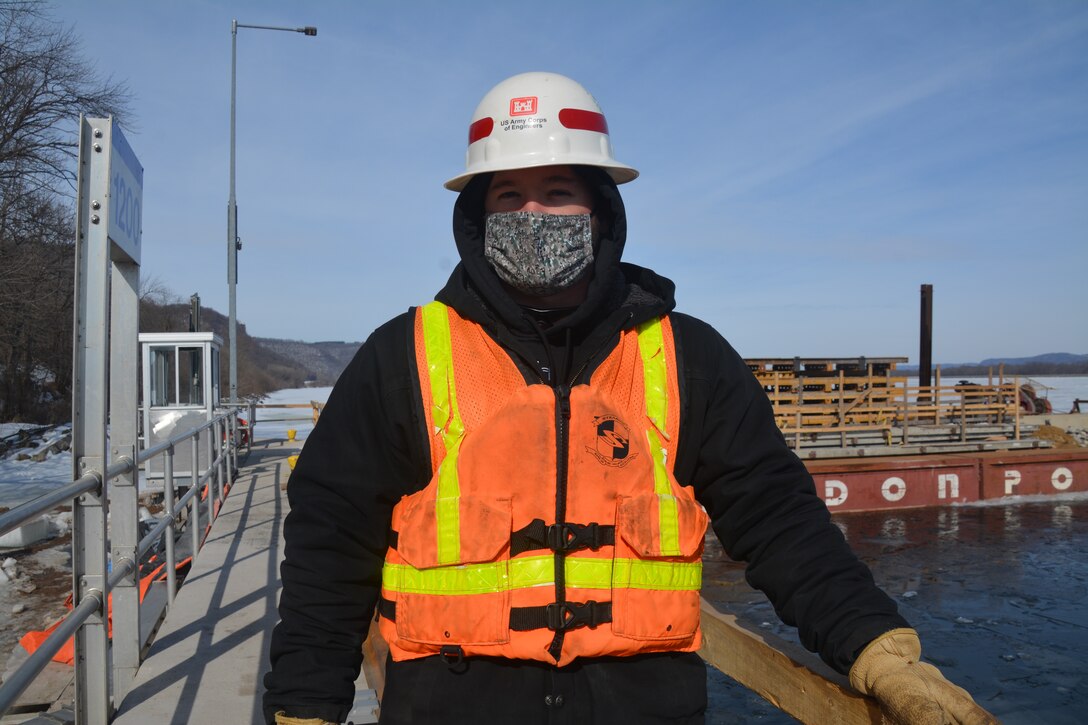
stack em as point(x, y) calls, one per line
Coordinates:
point(208, 661)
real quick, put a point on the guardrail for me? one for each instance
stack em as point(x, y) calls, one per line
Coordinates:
point(122, 582)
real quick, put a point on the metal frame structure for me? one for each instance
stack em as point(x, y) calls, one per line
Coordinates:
point(105, 461)
point(106, 316)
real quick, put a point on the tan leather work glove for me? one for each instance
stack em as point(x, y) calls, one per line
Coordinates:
point(283, 718)
point(912, 692)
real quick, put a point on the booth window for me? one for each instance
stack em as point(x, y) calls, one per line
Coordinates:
point(163, 391)
point(190, 370)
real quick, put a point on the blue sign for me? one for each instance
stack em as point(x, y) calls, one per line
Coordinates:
point(125, 196)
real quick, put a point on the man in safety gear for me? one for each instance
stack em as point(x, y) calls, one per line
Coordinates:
point(516, 478)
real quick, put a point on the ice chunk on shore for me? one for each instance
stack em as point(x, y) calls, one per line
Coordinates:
point(29, 533)
point(7, 570)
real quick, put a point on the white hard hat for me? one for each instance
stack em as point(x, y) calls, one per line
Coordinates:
point(538, 119)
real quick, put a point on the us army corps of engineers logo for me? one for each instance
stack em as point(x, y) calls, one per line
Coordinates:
point(613, 441)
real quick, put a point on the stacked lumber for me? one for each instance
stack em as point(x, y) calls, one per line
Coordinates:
point(849, 402)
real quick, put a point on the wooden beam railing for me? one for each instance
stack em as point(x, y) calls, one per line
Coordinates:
point(784, 674)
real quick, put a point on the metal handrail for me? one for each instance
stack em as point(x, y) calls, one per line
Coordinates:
point(25, 675)
point(220, 469)
point(19, 515)
point(155, 450)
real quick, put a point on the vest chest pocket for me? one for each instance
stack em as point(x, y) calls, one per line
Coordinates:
point(657, 573)
point(455, 588)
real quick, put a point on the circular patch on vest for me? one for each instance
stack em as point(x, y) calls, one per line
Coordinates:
point(613, 441)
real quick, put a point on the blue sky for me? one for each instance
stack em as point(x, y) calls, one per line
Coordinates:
point(806, 166)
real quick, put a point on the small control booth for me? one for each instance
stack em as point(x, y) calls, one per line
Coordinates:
point(180, 392)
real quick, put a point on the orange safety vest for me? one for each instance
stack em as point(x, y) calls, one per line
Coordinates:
point(552, 527)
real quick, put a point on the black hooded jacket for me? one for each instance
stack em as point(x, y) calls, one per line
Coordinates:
point(369, 449)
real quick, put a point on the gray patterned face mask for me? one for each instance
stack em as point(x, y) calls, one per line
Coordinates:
point(539, 254)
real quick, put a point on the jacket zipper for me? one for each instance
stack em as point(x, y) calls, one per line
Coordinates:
point(562, 454)
point(562, 464)
point(562, 450)
point(562, 460)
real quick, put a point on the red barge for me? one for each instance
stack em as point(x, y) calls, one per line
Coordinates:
point(892, 482)
point(872, 441)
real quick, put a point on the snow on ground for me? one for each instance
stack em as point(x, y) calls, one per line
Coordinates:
point(7, 429)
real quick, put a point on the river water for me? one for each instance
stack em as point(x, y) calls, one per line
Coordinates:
point(998, 593)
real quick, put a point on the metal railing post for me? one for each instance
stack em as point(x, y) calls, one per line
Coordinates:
point(168, 505)
point(228, 449)
point(194, 517)
point(233, 426)
point(89, 580)
point(228, 471)
point(209, 456)
point(224, 462)
point(217, 460)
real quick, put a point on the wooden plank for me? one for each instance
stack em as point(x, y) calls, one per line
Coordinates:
point(791, 679)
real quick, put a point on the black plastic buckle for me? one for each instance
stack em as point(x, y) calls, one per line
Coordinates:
point(560, 616)
point(559, 537)
point(571, 537)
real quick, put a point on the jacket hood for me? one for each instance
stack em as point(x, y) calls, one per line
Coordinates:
point(475, 291)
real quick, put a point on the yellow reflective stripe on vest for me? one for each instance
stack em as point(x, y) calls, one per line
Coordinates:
point(651, 346)
point(447, 421)
point(536, 571)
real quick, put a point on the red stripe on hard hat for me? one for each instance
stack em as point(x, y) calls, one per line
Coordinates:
point(579, 120)
point(480, 129)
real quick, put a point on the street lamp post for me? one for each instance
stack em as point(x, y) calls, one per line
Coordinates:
point(233, 243)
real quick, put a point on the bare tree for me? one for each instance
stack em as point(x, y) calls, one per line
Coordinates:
point(45, 83)
point(36, 298)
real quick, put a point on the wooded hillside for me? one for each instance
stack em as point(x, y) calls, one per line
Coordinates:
point(264, 364)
